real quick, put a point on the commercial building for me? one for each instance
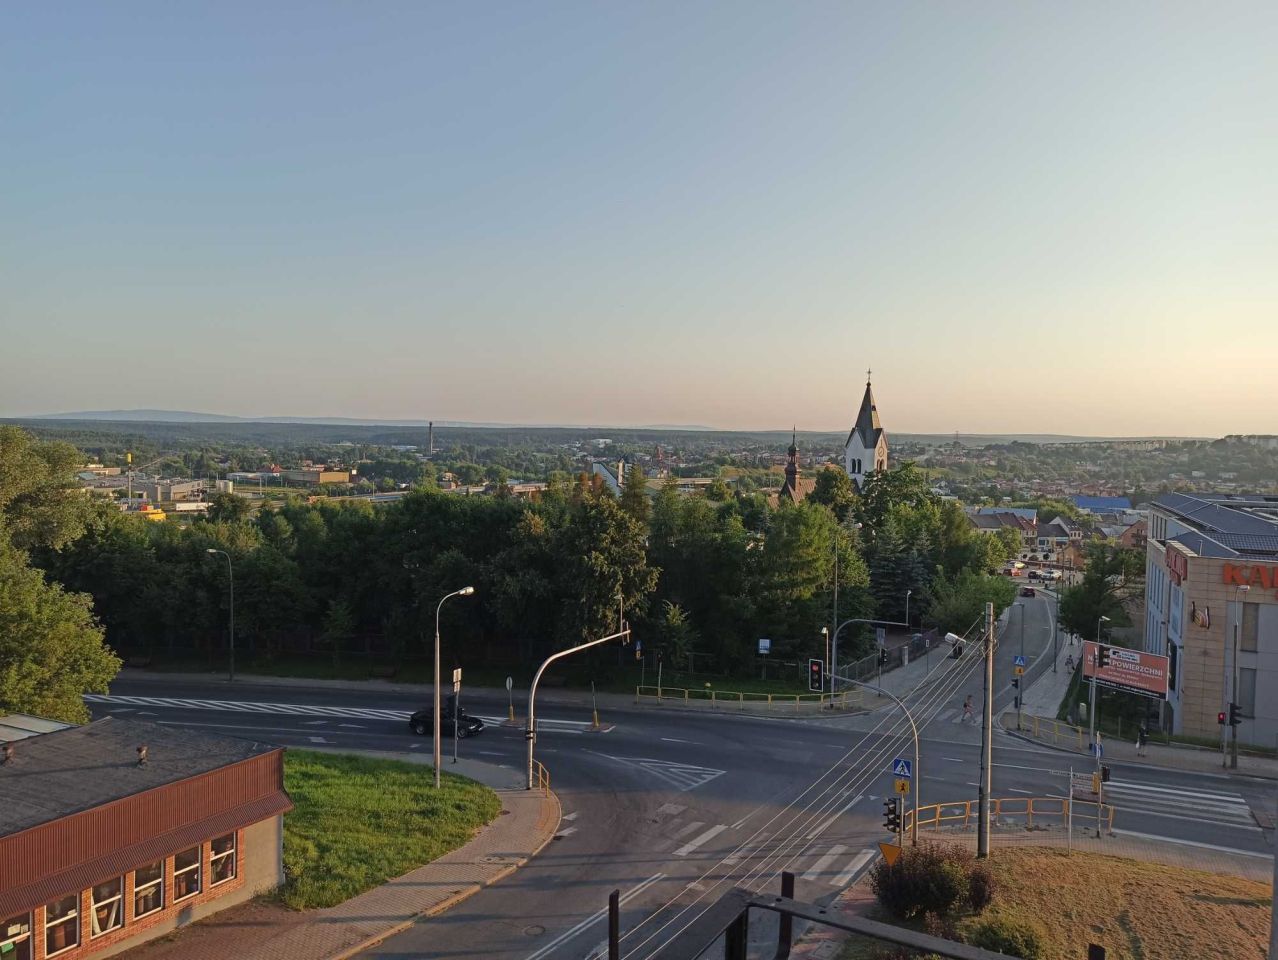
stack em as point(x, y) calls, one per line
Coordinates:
point(169, 491)
point(315, 477)
point(1211, 606)
point(120, 831)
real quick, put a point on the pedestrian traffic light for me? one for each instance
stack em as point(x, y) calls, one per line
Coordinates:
point(1220, 718)
point(883, 656)
point(1235, 714)
point(1102, 656)
point(1104, 774)
point(1016, 683)
point(816, 675)
point(891, 816)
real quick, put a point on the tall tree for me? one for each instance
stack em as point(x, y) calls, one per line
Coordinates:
point(39, 503)
point(634, 496)
point(834, 489)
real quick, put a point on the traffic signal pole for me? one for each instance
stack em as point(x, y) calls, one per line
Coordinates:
point(987, 743)
point(914, 730)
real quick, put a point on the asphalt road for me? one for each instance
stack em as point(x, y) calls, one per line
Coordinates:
point(672, 807)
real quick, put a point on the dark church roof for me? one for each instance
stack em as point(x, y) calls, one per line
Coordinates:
point(867, 421)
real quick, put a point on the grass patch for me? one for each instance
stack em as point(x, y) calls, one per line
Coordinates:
point(360, 821)
point(1136, 910)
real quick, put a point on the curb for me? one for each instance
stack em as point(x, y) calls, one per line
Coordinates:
point(460, 896)
point(1252, 775)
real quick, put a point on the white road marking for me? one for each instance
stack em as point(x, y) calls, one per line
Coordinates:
point(857, 862)
point(352, 726)
point(760, 842)
point(670, 809)
point(594, 917)
point(570, 816)
point(695, 825)
point(955, 760)
point(694, 843)
point(819, 867)
point(318, 740)
point(569, 831)
point(677, 740)
point(682, 776)
point(314, 723)
point(817, 831)
point(1195, 843)
point(1019, 790)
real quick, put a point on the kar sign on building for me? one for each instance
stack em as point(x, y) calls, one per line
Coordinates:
point(1131, 670)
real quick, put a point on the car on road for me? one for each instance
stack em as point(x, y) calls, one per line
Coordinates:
point(423, 722)
point(1027, 592)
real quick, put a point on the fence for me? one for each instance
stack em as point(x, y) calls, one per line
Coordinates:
point(541, 776)
point(917, 646)
point(741, 700)
point(1055, 732)
point(1049, 811)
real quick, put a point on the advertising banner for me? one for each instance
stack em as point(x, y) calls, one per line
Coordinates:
point(1131, 670)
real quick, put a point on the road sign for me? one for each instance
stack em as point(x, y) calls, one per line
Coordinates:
point(890, 852)
point(880, 636)
point(510, 682)
point(1018, 661)
point(902, 787)
point(902, 768)
point(765, 645)
point(1018, 670)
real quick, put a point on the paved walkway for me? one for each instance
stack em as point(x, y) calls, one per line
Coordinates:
point(263, 931)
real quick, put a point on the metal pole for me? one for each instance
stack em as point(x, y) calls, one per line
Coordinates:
point(987, 742)
point(456, 717)
point(914, 730)
point(1091, 723)
point(785, 925)
point(530, 732)
point(614, 925)
point(230, 576)
point(463, 592)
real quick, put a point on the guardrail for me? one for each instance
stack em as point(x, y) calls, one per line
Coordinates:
point(541, 777)
point(1047, 809)
point(1055, 732)
point(844, 700)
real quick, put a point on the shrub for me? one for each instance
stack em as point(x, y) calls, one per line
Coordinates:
point(980, 888)
point(936, 925)
point(1004, 935)
point(923, 880)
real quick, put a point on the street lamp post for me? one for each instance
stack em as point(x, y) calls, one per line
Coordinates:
point(907, 610)
point(230, 578)
point(463, 592)
point(834, 640)
point(825, 632)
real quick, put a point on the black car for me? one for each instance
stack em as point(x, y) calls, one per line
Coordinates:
point(423, 722)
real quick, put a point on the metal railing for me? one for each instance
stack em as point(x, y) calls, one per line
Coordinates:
point(1050, 731)
point(844, 700)
point(1048, 810)
point(541, 777)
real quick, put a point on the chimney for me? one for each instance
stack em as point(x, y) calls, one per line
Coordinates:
point(8, 754)
point(432, 436)
point(142, 755)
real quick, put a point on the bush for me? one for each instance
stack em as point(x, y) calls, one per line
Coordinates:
point(1003, 935)
point(926, 879)
point(980, 888)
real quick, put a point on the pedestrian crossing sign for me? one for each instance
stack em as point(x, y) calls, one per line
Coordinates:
point(902, 787)
point(902, 768)
point(1018, 661)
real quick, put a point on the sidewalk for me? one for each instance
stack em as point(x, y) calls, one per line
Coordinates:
point(261, 930)
point(1043, 699)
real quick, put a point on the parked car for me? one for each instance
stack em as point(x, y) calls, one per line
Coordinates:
point(1034, 575)
point(423, 721)
point(1028, 592)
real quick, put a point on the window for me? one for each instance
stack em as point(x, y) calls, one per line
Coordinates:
point(15, 938)
point(108, 907)
point(62, 924)
point(1247, 691)
point(222, 862)
point(148, 889)
point(1247, 636)
point(186, 874)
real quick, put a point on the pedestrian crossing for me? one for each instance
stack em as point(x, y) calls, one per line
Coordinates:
point(1177, 803)
point(299, 710)
point(955, 715)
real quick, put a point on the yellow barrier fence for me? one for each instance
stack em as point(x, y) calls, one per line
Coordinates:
point(844, 700)
point(1047, 730)
point(542, 776)
point(1047, 811)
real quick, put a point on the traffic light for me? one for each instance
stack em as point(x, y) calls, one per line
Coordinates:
point(1016, 683)
point(1104, 774)
point(883, 656)
point(1235, 714)
point(958, 649)
point(1102, 656)
point(891, 816)
point(816, 675)
point(1220, 718)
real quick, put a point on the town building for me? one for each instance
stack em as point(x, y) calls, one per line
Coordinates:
point(169, 491)
point(795, 488)
point(313, 477)
point(120, 831)
point(1211, 607)
point(866, 449)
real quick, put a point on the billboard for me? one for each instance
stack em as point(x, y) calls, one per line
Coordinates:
point(1133, 671)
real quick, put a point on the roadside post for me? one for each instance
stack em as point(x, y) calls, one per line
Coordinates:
point(456, 707)
point(594, 708)
point(1018, 668)
point(902, 773)
point(510, 697)
point(987, 742)
point(658, 676)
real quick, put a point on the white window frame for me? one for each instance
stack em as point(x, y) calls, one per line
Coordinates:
point(118, 899)
point(74, 915)
point(147, 886)
point(199, 862)
point(214, 858)
point(15, 940)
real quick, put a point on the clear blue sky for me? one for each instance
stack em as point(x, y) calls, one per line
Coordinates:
point(1038, 217)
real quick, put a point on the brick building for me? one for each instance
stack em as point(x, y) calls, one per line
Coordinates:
point(120, 831)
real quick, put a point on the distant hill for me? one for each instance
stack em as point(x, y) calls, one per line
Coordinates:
point(189, 416)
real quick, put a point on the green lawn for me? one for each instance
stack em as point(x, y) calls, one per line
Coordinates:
point(360, 821)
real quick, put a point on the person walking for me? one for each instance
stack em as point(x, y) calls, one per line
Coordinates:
point(968, 715)
point(1142, 739)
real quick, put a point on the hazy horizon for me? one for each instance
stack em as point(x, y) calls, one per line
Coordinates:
point(1026, 219)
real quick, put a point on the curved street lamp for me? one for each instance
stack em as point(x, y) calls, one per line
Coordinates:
point(463, 592)
point(230, 577)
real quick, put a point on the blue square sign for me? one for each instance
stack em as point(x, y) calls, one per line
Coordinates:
point(902, 768)
point(1018, 661)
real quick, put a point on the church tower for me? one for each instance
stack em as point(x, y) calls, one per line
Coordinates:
point(796, 488)
point(866, 449)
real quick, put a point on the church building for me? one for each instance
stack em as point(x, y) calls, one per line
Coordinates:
point(866, 449)
point(795, 488)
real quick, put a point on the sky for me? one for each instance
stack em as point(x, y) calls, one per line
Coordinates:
point(1024, 217)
